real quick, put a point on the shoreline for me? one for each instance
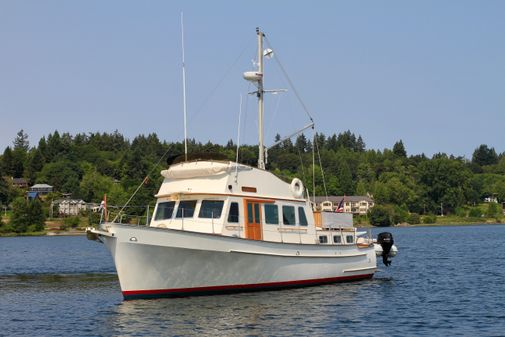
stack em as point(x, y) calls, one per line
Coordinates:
point(402, 225)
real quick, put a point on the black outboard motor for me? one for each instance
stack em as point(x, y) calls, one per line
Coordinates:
point(385, 239)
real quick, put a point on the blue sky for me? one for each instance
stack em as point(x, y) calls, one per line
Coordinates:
point(431, 73)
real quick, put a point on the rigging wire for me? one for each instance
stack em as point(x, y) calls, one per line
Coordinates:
point(218, 84)
point(314, 170)
point(238, 138)
point(316, 145)
point(146, 179)
point(301, 163)
point(274, 115)
point(289, 81)
point(320, 164)
point(245, 117)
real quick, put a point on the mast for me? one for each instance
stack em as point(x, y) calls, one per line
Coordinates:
point(260, 92)
point(256, 77)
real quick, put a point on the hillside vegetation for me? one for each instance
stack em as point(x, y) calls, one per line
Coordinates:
point(89, 165)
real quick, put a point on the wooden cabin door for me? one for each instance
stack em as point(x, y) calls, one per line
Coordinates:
point(253, 220)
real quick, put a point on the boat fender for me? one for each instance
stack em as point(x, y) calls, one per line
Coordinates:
point(385, 239)
point(297, 188)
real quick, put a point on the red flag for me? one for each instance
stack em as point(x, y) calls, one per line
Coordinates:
point(340, 207)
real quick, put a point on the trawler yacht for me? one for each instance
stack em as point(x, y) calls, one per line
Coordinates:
point(220, 226)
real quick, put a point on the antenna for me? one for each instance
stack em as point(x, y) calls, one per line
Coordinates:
point(238, 138)
point(184, 91)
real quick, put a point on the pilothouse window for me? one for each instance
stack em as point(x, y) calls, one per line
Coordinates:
point(233, 214)
point(301, 217)
point(211, 209)
point(164, 210)
point(271, 214)
point(288, 215)
point(186, 209)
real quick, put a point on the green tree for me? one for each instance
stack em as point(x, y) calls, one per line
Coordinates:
point(399, 149)
point(27, 215)
point(21, 141)
point(8, 164)
point(475, 212)
point(380, 216)
point(414, 219)
point(94, 185)
point(444, 181)
point(484, 156)
point(493, 210)
point(4, 189)
point(63, 175)
point(35, 164)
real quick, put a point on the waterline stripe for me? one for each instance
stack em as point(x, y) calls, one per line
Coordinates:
point(179, 292)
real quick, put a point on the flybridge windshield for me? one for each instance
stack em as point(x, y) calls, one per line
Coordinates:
point(211, 209)
point(186, 209)
point(165, 210)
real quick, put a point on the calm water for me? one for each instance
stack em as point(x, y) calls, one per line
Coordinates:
point(446, 281)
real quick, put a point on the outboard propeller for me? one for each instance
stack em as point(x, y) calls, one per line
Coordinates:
point(385, 239)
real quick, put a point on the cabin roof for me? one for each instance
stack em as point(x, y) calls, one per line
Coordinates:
point(224, 178)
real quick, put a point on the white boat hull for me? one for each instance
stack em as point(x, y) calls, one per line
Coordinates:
point(154, 262)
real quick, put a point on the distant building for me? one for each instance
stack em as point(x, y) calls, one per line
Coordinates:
point(70, 206)
point(356, 204)
point(491, 199)
point(41, 188)
point(19, 182)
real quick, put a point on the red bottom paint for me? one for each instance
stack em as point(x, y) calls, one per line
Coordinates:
point(181, 292)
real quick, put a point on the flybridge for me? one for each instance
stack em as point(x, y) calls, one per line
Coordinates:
point(211, 177)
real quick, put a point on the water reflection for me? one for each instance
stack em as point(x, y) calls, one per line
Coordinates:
point(297, 311)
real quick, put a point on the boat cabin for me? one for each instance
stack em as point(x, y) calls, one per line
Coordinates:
point(225, 198)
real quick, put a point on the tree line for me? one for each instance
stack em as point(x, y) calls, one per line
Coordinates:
point(89, 165)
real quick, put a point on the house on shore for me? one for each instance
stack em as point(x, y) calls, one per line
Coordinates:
point(71, 207)
point(41, 189)
point(19, 183)
point(355, 204)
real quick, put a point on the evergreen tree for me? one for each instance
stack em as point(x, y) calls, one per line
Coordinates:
point(8, 162)
point(360, 145)
point(301, 143)
point(21, 141)
point(399, 149)
point(27, 215)
point(35, 164)
point(4, 189)
point(484, 156)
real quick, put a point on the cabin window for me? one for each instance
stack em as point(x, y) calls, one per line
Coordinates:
point(323, 239)
point(250, 218)
point(233, 213)
point(164, 210)
point(301, 217)
point(211, 209)
point(349, 238)
point(288, 215)
point(186, 209)
point(257, 213)
point(271, 214)
point(337, 239)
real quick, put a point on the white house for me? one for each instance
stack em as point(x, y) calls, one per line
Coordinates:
point(41, 188)
point(71, 207)
point(356, 204)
